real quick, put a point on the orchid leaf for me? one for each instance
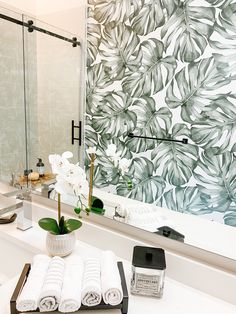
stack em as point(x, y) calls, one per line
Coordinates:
point(49, 224)
point(72, 224)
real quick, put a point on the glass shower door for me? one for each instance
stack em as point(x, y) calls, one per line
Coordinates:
point(12, 100)
point(52, 79)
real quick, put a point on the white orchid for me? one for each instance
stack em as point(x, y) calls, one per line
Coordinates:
point(71, 178)
point(113, 154)
point(91, 150)
point(124, 165)
point(60, 163)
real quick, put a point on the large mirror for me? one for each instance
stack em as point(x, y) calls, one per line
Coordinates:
point(139, 81)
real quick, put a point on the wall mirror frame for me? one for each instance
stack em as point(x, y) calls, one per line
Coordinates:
point(186, 248)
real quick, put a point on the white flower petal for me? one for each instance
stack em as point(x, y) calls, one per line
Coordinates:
point(67, 155)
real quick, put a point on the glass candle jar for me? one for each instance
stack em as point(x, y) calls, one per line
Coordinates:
point(148, 271)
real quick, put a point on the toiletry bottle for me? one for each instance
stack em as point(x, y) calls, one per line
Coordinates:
point(40, 167)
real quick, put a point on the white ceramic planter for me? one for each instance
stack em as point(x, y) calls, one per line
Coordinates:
point(60, 245)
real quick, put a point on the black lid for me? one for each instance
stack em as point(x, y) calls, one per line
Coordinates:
point(149, 257)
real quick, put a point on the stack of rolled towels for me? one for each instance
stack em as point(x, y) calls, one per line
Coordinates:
point(64, 284)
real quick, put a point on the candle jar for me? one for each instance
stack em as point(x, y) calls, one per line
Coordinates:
point(148, 271)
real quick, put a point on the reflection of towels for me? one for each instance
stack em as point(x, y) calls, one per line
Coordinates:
point(71, 289)
point(146, 217)
point(51, 291)
point(110, 279)
point(91, 288)
point(28, 299)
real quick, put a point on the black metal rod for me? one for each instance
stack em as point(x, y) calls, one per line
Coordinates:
point(32, 27)
point(183, 141)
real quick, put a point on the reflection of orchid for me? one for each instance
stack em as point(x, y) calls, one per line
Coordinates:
point(112, 154)
point(121, 163)
point(124, 165)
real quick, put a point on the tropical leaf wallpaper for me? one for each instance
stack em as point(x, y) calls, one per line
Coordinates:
point(165, 68)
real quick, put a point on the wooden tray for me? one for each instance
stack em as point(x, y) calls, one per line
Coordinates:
point(123, 306)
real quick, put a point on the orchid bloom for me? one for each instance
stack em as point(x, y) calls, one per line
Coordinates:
point(124, 165)
point(71, 178)
point(111, 152)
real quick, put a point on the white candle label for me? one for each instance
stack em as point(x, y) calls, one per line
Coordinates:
point(147, 283)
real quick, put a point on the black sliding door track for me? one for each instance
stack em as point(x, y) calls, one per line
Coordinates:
point(31, 27)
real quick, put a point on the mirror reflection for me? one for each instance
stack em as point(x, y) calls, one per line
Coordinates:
point(139, 87)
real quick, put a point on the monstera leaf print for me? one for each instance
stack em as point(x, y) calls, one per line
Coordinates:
point(230, 217)
point(147, 187)
point(155, 72)
point(97, 81)
point(188, 31)
point(149, 18)
point(224, 37)
point(150, 122)
point(220, 3)
point(152, 15)
point(114, 116)
point(176, 160)
point(106, 11)
point(91, 137)
point(93, 42)
point(216, 177)
point(121, 146)
point(192, 87)
point(186, 200)
point(217, 127)
point(119, 50)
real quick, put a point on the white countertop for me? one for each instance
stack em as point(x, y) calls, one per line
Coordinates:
point(177, 298)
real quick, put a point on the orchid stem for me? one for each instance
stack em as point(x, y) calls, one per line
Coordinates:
point(92, 156)
point(59, 207)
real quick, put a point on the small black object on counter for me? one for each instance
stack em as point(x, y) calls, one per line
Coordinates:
point(170, 233)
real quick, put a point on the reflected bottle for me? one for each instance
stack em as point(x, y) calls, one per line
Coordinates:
point(40, 167)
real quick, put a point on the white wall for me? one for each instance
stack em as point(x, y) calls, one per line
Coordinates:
point(27, 6)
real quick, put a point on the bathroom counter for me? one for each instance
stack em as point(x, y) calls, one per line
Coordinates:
point(177, 299)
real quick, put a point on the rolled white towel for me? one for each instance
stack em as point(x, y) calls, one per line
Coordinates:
point(91, 287)
point(112, 292)
point(50, 295)
point(71, 289)
point(28, 299)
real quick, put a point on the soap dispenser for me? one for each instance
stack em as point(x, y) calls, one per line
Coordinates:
point(40, 167)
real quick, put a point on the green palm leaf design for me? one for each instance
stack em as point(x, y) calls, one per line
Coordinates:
point(223, 39)
point(97, 80)
point(150, 122)
point(220, 3)
point(147, 187)
point(186, 200)
point(176, 160)
point(152, 15)
point(119, 50)
point(216, 177)
point(93, 42)
point(149, 18)
point(155, 72)
point(114, 116)
point(217, 126)
point(230, 217)
point(188, 31)
point(91, 137)
point(106, 11)
point(192, 87)
point(121, 146)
